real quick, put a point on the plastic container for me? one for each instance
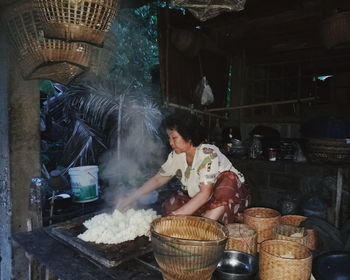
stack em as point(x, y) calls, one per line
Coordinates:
point(84, 183)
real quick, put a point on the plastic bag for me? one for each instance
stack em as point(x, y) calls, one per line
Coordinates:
point(206, 9)
point(204, 93)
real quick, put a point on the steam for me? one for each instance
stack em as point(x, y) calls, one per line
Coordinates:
point(137, 147)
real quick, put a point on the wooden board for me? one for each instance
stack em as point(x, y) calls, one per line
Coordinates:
point(110, 255)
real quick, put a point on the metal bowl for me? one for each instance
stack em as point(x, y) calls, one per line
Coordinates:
point(235, 265)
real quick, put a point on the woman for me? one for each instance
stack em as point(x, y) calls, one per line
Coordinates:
point(212, 187)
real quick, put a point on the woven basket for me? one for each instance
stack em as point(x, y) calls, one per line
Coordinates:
point(291, 233)
point(77, 20)
point(262, 220)
point(287, 260)
point(241, 238)
point(328, 150)
point(295, 220)
point(336, 30)
point(187, 247)
point(38, 57)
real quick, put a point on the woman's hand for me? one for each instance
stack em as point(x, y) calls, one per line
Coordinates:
point(124, 203)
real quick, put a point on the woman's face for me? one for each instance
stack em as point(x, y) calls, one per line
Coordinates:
point(177, 143)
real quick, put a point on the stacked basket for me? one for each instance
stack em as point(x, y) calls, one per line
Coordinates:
point(78, 20)
point(241, 238)
point(52, 39)
point(39, 57)
point(295, 220)
point(291, 233)
point(282, 259)
point(263, 220)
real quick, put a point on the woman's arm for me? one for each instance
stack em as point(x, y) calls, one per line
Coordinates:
point(150, 185)
point(197, 201)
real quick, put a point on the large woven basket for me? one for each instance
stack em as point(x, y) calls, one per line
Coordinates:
point(328, 150)
point(262, 220)
point(336, 30)
point(291, 233)
point(187, 247)
point(77, 20)
point(287, 260)
point(38, 57)
point(241, 238)
point(295, 220)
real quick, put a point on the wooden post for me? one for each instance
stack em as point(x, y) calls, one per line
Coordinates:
point(338, 195)
point(5, 195)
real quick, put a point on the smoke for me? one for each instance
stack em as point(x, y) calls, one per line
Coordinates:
point(138, 148)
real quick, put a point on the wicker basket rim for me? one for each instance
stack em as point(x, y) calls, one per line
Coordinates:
point(275, 228)
point(295, 244)
point(275, 212)
point(190, 241)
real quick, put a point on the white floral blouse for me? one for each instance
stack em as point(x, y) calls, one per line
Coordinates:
point(207, 164)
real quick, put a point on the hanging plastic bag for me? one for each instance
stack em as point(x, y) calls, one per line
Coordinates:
point(204, 93)
point(207, 9)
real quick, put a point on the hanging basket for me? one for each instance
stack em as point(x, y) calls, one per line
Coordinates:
point(207, 9)
point(336, 30)
point(38, 57)
point(77, 20)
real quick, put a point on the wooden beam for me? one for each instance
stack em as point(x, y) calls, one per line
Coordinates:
point(195, 110)
point(263, 104)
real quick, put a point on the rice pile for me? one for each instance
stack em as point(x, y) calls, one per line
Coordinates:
point(118, 227)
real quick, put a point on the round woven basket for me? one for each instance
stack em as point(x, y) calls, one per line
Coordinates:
point(38, 57)
point(77, 20)
point(328, 150)
point(187, 247)
point(262, 220)
point(311, 234)
point(291, 233)
point(241, 238)
point(293, 220)
point(287, 260)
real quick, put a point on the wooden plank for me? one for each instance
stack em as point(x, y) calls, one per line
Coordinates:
point(109, 255)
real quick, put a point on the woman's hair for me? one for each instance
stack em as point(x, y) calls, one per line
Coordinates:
point(187, 125)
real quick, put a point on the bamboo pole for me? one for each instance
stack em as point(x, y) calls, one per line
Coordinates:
point(263, 104)
point(338, 195)
point(195, 110)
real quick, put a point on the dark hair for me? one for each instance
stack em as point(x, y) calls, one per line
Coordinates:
point(187, 125)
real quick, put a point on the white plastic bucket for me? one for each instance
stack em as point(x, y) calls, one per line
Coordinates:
point(84, 183)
